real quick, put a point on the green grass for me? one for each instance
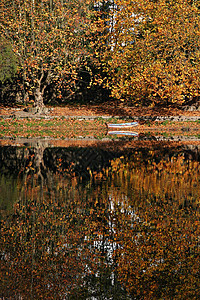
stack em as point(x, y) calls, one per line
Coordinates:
point(166, 122)
point(165, 134)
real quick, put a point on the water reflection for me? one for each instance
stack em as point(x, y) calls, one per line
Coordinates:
point(100, 222)
point(127, 133)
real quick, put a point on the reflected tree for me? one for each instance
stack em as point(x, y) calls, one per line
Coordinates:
point(129, 232)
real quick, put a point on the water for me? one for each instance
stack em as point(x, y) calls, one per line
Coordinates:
point(114, 220)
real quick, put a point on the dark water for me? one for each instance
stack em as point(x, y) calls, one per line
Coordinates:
point(108, 222)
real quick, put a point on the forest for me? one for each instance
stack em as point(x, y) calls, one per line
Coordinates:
point(143, 52)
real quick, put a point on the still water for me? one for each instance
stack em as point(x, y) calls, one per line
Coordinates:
point(116, 220)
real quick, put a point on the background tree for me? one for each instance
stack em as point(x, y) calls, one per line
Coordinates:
point(153, 51)
point(51, 40)
point(8, 71)
point(8, 61)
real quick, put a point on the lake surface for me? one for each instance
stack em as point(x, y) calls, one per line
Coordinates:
point(111, 220)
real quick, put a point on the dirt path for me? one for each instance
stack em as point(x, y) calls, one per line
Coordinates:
point(103, 110)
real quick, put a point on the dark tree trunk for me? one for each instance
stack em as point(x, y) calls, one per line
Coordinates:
point(39, 106)
point(39, 103)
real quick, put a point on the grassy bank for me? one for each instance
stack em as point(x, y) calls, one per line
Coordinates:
point(72, 128)
point(56, 128)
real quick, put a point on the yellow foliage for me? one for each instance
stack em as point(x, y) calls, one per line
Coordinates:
point(153, 53)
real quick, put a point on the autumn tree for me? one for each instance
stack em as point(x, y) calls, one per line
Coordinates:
point(152, 52)
point(51, 41)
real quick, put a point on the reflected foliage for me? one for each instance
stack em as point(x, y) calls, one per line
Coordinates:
point(157, 226)
point(130, 231)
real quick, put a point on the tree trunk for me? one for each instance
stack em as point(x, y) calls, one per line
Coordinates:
point(39, 103)
point(39, 106)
